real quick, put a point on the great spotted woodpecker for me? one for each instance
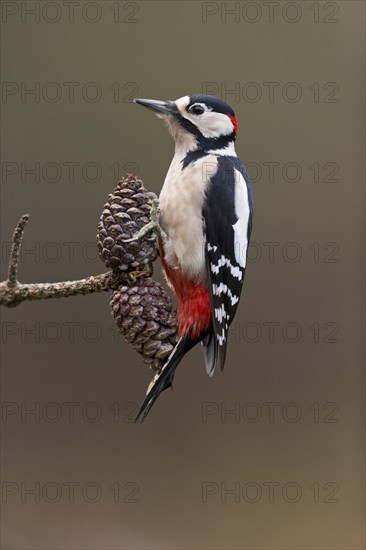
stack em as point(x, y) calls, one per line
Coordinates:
point(206, 211)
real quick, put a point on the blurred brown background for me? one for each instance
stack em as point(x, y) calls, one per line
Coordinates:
point(285, 470)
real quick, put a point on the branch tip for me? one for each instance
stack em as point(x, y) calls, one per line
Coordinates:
point(15, 249)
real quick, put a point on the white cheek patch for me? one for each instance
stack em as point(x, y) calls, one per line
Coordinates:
point(211, 124)
point(214, 125)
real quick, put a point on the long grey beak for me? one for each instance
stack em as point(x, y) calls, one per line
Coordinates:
point(165, 107)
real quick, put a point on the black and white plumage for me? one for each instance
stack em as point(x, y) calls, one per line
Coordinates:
point(206, 211)
point(227, 214)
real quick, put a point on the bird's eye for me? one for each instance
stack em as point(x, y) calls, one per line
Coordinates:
point(196, 110)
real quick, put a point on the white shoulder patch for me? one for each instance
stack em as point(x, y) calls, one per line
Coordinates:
point(242, 211)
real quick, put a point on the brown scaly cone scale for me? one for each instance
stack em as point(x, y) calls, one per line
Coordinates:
point(145, 317)
point(142, 310)
point(126, 211)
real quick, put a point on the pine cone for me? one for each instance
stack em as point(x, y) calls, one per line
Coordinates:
point(145, 317)
point(127, 210)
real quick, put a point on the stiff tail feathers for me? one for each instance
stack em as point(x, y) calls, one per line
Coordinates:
point(210, 345)
point(164, 379)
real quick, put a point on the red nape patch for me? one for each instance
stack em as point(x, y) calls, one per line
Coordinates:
point(194, 311)
point(235, 123)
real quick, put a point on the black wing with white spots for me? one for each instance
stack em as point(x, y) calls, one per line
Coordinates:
point(227, 213)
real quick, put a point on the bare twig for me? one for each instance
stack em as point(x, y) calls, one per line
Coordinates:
point(12, 293)
point(15, 249)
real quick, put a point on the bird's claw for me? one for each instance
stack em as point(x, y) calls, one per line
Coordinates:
point(152, 226)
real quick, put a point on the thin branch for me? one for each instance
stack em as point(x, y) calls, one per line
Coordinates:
point(15, 249)
point(12, 293)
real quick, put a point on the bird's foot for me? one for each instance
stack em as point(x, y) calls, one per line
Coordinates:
point(152, 227)
point(133, 276)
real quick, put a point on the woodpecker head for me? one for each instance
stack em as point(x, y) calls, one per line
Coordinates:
point(204, 120)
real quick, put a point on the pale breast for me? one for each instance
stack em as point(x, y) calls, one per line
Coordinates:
point(181, 201)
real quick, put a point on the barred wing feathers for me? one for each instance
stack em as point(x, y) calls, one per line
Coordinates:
point(227, 213)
